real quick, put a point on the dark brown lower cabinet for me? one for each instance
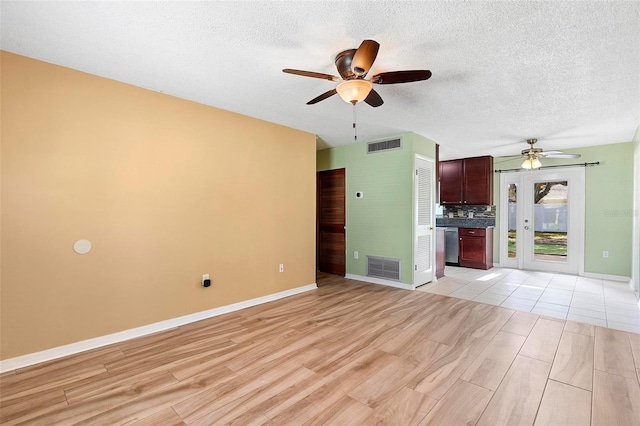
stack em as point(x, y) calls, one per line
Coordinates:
point(476, 247)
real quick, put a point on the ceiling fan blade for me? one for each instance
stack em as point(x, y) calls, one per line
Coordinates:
point(364, 57)
point(393, 77)
point(374, 99)
point(562, 156)
point(545, 153)
point(312, 74)
point(322, 97)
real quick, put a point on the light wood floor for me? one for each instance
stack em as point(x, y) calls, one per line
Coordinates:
point(348, 353)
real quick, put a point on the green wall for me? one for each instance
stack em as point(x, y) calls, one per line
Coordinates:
point(380, 223)
point(608, 203)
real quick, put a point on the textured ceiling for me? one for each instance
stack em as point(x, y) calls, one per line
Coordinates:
point(567, 73)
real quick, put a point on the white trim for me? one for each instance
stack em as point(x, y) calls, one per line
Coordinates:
point(380, 281)
point(633, 288)
point(85, 345)
point(620, 278)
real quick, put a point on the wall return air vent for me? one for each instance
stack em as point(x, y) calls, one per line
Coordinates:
point(391, 144)
point(382, 267)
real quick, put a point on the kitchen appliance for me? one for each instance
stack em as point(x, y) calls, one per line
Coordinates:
point(451, 249)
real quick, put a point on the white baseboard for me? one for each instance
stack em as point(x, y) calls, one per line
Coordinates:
point(380, 281)
point(620, 278)
point(633, 288)
point(85, 345)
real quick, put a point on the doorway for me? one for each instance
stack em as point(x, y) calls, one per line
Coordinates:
point(542, 220)
point(330, 219)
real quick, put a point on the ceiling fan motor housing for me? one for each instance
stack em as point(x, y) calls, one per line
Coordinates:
point(343, 64)
point(531, 151)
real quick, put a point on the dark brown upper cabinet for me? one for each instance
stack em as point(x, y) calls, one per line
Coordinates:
point(451, 182)
point(467, 181)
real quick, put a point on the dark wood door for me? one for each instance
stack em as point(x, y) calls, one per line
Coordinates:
point(478, 181)
point(451, 182)
point(476, 247)
point(331, 221)
point(472, 252)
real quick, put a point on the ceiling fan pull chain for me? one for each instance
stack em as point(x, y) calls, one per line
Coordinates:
point(355, 131)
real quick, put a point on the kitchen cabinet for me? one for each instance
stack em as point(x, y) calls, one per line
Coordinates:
point(439, 252)
point(451, 182)
point(476, 247)
point(467, 181)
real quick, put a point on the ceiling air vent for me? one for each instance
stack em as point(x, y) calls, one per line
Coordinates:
point(389, 145)
point(382, 267)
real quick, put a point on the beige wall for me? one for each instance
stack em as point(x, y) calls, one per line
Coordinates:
point(164, 188)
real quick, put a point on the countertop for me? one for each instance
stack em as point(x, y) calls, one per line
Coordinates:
point(465, 222)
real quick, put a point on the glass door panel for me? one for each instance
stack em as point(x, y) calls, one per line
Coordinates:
point(512, 236)
point(550, 221)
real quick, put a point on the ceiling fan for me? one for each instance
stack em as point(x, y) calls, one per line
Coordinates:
point(353, 66)
point(532, 155)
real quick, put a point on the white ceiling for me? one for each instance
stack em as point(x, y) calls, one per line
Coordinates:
point(566, 72)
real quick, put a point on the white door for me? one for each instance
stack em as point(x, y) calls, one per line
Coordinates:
point(542, 220)
point(423, 219)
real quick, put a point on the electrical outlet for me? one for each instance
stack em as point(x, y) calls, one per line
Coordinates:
point(605, 254)
point(355, 254)
point(281, 267)
point(460, 213)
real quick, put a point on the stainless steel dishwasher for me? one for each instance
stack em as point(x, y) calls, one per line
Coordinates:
point(451, 246)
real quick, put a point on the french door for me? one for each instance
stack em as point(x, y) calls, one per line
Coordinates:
point(542, 220)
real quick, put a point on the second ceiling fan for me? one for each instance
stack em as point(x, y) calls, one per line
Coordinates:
point(353, 66)
point(531, 155)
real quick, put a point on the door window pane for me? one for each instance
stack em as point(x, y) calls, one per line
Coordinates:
point(513, 210)
point(550, 221)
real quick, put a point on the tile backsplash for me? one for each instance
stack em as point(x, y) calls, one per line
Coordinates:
point(470, 211)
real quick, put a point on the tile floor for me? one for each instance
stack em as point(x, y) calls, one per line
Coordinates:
point(594, 301)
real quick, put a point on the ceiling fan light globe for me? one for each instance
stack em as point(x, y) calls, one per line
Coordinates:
point(354, 91)
point(535, 163)
point(531, 163)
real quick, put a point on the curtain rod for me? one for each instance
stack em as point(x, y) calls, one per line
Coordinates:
point(550, 167)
